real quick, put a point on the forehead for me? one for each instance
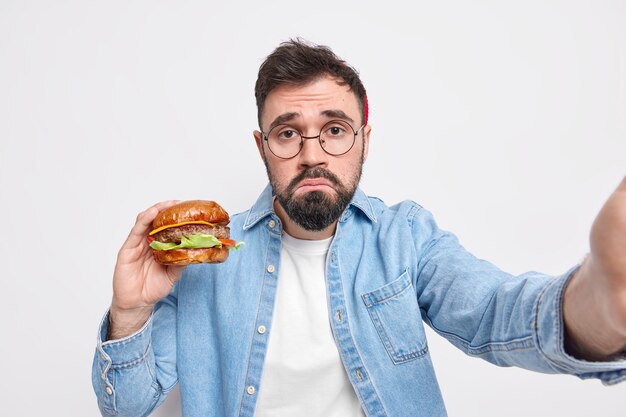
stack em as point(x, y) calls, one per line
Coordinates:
point(311, 100)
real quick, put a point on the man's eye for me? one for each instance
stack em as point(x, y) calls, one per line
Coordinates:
point(287, 134)
point(336, 131)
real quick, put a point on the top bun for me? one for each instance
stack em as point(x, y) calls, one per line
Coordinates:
point(189, 211)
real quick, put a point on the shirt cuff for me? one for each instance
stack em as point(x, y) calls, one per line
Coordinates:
point(125, 352)
point(549, 329)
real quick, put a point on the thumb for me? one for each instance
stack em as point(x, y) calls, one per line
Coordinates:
point(622, 186)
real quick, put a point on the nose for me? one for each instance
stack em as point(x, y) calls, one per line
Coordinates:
point(312, 153)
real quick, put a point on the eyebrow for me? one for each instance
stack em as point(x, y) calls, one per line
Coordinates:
point(283, 118)
point(287, 117)
point(337, 114)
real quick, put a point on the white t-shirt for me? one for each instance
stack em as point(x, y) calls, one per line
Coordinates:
point(303, 374)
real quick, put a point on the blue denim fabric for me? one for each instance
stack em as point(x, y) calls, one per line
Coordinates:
point(389, 269)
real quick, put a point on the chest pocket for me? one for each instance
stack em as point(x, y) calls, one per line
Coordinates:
point(396, 316)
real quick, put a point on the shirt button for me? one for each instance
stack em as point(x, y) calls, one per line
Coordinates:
point(271, 224)
point(261, 329)
point(109, 390)
point(270, 268)
point(339, 316)
point(359, 375)
point(250, 390)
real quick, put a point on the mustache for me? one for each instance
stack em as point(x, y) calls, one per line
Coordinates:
point(316, 172)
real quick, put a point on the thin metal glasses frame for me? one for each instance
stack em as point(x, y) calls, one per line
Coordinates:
point(318, 137)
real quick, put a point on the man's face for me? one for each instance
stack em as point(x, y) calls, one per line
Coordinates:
point(313, 187)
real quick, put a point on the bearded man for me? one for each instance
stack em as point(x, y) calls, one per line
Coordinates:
point(322, 313)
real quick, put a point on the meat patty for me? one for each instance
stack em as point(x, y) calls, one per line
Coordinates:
point(173, 234)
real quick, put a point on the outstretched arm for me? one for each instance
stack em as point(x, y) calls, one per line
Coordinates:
point(595, 299)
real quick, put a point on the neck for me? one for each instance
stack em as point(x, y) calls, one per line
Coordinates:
point(298, 231)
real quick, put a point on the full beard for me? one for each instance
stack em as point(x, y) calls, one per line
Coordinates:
point(316, 210)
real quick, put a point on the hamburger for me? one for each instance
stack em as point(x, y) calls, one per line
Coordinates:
point(191, 232)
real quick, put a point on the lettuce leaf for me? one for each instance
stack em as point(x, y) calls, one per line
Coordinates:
point(189, 242)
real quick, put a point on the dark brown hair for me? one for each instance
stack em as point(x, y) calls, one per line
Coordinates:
point(297, 62)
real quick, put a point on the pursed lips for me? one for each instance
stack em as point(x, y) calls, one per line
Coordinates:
point(312, 184)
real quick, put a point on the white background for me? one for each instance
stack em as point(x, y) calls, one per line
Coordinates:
point(507, 119)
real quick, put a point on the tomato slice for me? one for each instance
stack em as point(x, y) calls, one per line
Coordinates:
point(228, 242)
point(150, 239)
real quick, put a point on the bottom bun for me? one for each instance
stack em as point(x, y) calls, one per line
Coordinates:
point(191, 256)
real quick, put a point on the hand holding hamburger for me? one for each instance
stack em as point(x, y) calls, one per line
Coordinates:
point(140, 280)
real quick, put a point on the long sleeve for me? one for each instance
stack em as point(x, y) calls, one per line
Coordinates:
point(505, 319)
point(133, 375)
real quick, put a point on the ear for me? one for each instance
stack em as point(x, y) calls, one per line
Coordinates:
point(258, 138)
point(366, 140)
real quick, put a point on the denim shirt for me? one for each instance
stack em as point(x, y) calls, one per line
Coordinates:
point(388, 270)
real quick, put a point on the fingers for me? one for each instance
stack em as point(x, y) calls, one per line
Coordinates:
point(143, 224)
point(174, 272)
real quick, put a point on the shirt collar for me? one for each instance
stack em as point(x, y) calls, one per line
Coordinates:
point(361, 202)
point(264, 206)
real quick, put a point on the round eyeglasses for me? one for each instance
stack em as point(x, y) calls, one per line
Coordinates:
point(336, 138)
